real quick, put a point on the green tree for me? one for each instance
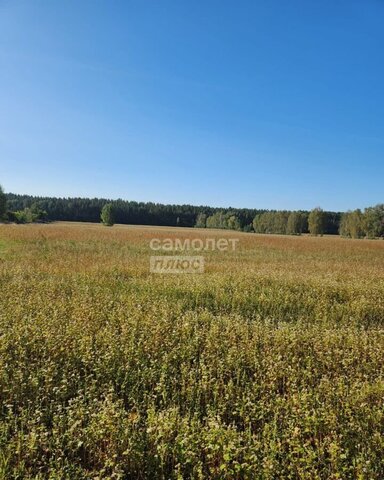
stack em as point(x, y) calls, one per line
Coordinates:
point(352, 224)
point(201, 220)
point(280, 219)
point(296, 223)
point(24, 216)
point(344, 229)
point(233, 223)
point(263, 223)
point(3, 203)
point(317, 221)
point(374, 221)
point(257, 223)
point(37, 212)
point(107, 215)
point(31, 214)
point(217, 220)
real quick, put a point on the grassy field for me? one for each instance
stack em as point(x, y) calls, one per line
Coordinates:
point(267, 366)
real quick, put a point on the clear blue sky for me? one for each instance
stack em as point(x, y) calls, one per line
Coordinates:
point(265, 104)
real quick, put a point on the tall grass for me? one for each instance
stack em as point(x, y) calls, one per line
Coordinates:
point(269, 365)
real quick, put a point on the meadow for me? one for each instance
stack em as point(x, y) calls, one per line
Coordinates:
point(269, 365)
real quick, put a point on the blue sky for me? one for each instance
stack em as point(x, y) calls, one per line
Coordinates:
point(264, 104)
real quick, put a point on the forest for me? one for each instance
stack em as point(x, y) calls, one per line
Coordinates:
point(354, 224)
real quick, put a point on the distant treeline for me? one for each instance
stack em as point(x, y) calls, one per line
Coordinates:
point(355, 224)
point(140, 213)
point(275, 221)
point(359, 224)
point(126, 212)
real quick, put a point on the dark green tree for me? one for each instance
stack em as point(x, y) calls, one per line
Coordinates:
point(3, 203)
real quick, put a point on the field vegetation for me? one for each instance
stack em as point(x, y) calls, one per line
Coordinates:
point(267, 366)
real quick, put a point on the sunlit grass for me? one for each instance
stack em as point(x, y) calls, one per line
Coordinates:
point(268, 365)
